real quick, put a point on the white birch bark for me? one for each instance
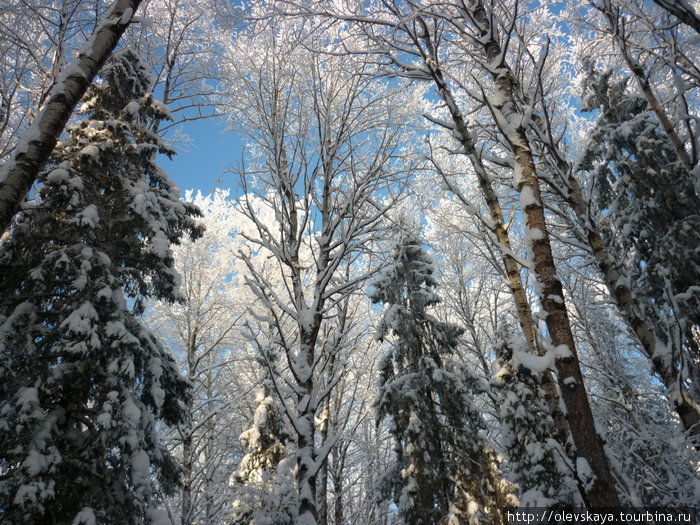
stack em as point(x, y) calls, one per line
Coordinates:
point(512, 121)
point(36, 144)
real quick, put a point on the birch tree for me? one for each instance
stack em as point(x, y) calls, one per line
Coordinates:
point(35, 145)
point(41, 85)
point(647, 220)
point(38, 40)
point(474, 250)
point(414, 39)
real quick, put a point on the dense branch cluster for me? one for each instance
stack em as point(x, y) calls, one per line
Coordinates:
point(457, 271)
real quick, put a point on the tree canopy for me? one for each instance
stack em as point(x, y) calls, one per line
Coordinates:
point(452, 270)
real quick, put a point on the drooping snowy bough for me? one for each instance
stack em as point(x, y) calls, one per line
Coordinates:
point(83, 381)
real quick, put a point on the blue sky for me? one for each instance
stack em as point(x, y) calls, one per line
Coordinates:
point(201, 166)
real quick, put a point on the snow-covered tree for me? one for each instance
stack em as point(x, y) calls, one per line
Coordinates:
point(202, 333)
point(264, 482)
point(443, 468)
point(539, 464)
point(67, 85)
point(323, 165)
point(477, 289)
point(646, 202)
point(561, 145)
point(82, 380)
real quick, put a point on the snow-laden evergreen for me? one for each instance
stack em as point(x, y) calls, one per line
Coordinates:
point(264, 489)
point(82, 380)
point(540, 467)
point(647, 199)
point(443, 468)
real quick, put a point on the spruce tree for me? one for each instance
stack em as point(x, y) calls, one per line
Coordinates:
point(649, 205)
point(265, 492)
point(83, 382)
point(443, 468)
point(539, 465)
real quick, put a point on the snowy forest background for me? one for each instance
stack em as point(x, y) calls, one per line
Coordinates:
point(457, 269)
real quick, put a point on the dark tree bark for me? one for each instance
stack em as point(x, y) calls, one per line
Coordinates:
point(682, 11)
point(508, 116)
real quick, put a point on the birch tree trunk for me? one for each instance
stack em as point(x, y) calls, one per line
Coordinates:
point(512, 267)
point(511, 121)
point(36, 144)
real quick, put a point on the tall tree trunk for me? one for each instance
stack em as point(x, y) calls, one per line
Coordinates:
point(36, 144)
point(652, 343)
point(338, 466)
point(498, 227)
point(307, 457)
point(511, 120)
point(186, 511)
point(305, 454)
point(302, 364)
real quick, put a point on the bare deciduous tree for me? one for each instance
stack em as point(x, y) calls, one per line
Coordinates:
point(325, 161)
